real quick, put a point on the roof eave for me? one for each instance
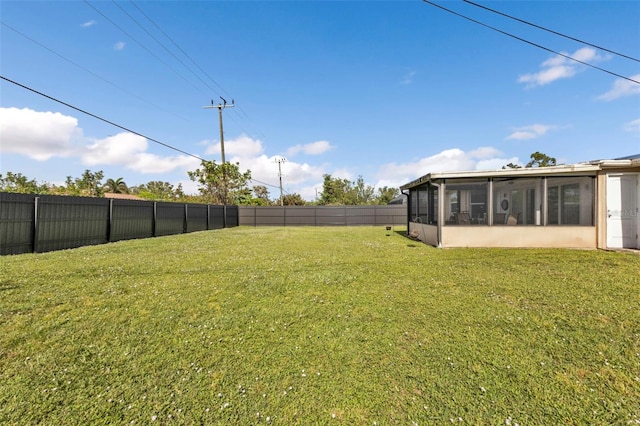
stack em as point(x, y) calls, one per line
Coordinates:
point(617, 164)
point(501, 173)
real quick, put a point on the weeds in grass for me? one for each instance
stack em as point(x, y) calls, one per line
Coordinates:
point(320, 326)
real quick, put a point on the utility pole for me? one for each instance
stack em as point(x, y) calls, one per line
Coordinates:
point(224, 167)
point(280, 161)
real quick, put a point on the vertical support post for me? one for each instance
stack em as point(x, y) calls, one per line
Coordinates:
point(110, 222)
point(36, 224)
point(442, 189)
point(545, 201)
point(185, 221)
point(490, 206)
point(154, 225)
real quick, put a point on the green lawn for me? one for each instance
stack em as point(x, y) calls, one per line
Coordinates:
point(318, 326)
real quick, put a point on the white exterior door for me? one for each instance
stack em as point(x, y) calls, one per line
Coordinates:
point(623, 212)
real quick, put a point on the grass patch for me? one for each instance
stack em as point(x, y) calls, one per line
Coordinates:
point(318, 326)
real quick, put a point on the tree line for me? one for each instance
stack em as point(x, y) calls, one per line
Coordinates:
point(217, 184)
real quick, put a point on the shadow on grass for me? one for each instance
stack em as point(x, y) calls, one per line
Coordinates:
point(403, 233)
point(7, 286)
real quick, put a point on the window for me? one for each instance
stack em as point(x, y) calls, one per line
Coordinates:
point(424, 204)
point(570, 201)
point(413, 205)
point(517, 201)
point(466, 203)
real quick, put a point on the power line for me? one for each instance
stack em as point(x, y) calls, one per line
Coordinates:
point(161, 45)
point(266, 184)
point(179, 48)
point(140, 44)
point(89, 71)
point(99, 118)
point(112, 123)
point(530, 42)
point(239, 111)
point(551, 31)
point(164, 47)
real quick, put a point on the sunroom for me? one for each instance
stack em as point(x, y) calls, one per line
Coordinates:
point(528, 207)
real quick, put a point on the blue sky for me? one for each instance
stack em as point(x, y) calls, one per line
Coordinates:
point(386, 90)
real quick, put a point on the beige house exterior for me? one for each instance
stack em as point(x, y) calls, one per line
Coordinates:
point(586, 205)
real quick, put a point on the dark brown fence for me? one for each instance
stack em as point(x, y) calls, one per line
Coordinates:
point(323, 215)
point(41, 223)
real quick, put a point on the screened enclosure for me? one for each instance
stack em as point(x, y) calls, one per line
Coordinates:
point(509, 201)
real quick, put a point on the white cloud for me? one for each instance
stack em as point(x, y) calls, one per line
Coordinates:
point(119, 45)
point(265, 169)
point(189, 187)
point(45, 135)
point(485, 152)
point(530, 132)
point(117, 149)
point(633, 126)
point(38, 135)
point(559, 67)
point(129, 150)
point(242, 146)
point(495, 163)
point(152, 163)
point(313, 148)
point(88, 24)
point(343, 173)
point(622, 88)
point(485, 158)
point(408, 77)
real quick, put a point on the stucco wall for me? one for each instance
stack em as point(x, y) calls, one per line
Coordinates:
point(520, 236)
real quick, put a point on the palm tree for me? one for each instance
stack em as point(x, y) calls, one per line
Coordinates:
point(117, 186)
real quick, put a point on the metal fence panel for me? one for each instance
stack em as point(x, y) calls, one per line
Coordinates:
point(393, 215)
point(300, 216)
point(322, 215)
point(216, 217)
point(70, 222)
point(273, 216)
point(196, 217)
point(131, 219)
point(44, 223)
point(232, 216)
point(331, 216)
point(16, 223)
point(361, 215)
point(169, 219)
point(301, 211)
point(40, 223)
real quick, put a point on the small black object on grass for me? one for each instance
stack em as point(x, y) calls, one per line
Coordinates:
point(388, 229)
